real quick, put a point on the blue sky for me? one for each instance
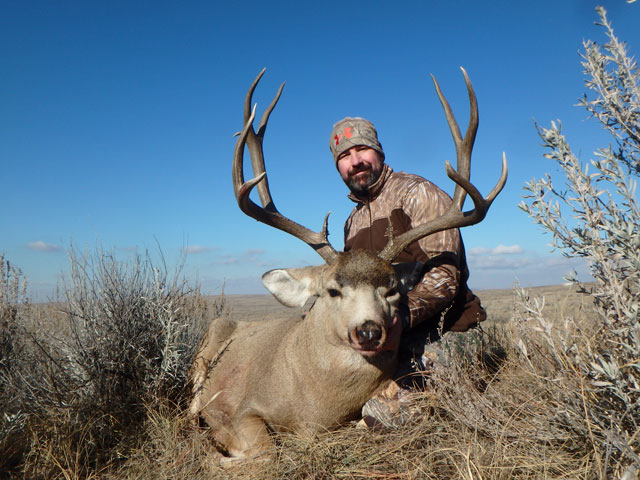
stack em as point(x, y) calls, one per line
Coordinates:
point(117, 122)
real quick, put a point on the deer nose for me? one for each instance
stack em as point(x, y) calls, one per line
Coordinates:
point(369, 334)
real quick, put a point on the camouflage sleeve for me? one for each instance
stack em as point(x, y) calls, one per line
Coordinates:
point(440, 283)
point(433, 294)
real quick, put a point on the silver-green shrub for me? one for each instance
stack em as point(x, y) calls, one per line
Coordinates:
point(134, 328)
point(79, 376)
point(13, 303)
point(595, 216)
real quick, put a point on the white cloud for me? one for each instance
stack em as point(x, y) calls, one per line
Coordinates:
point(496, 271)
point(499, 250)
point(507, 249)
point(227, 260)
point(498, 262)
point(501, 266)
point(195, 249)
point(40, 246)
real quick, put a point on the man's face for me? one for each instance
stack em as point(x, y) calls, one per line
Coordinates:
point(360, 167)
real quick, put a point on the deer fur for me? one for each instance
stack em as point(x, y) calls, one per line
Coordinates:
point(299, 375)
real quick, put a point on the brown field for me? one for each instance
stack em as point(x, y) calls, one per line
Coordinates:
point(477, 424)
point(499, 412)
point(499, 303)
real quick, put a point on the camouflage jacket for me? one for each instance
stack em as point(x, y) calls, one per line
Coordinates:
point(433, 270)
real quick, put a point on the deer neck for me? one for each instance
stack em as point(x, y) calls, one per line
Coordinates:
point(324, 351)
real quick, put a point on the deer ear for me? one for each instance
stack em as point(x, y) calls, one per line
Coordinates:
point(293, 286)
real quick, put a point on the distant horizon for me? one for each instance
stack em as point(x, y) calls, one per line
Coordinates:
point(566, 284)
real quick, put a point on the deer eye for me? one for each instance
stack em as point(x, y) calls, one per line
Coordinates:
point(333, 292)
point(391, 292)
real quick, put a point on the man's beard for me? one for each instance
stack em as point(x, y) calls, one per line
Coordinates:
point(361, 188)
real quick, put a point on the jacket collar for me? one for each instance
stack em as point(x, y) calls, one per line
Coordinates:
point(375, 189)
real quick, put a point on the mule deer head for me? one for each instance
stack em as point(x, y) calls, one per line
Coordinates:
point(300, 375)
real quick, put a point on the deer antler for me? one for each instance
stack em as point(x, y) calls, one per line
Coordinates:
point(453, 217)
point(268, 213)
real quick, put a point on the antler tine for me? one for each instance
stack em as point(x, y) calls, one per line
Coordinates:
point(247, 99)
point(254, 141)
point(501, 182)
point(257, 155)
point(454, 217)
point(267, 113)
point(268, 214)
point(463, 145)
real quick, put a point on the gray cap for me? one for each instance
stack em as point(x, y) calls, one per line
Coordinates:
point(353, 131)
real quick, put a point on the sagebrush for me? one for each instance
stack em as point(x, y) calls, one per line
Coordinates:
point(595, 216)
point(79, 376)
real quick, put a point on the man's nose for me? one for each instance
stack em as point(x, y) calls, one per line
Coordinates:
point(354, 156)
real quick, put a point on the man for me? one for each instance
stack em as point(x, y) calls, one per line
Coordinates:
point(438, 299)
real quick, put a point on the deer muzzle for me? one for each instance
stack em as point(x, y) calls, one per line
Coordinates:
point(368, 335)
point(371, 338)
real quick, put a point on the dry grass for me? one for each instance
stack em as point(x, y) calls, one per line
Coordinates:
point(560, 301)
point(476, 424)
point(435, 446)
point(492, 415)
point(517, 408)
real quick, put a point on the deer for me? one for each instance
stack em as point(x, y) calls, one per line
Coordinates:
point(308, 374)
